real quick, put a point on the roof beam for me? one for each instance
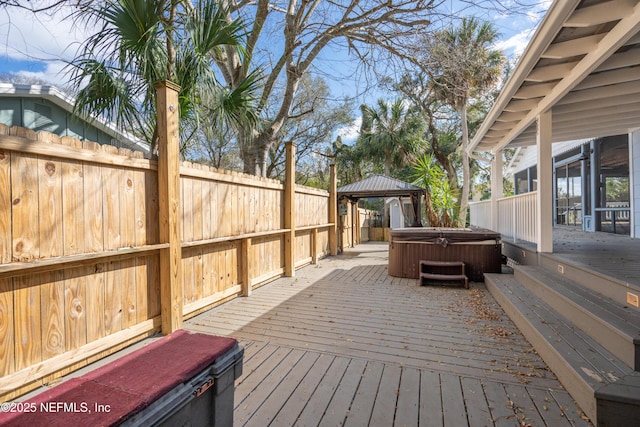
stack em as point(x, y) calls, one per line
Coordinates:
point(617, 127)
point(533, 91)
point(594, 114)
point(511, 117)
point(575, 47)
point(551, 72)
point(600, 13)
point(503, 125)
point(522, 105)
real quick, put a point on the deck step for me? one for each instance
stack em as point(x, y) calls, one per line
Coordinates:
point(607, 390)
point(443, 271)
point(610, 323)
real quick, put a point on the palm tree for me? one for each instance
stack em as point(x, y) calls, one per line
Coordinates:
point(463, 65)
point(141, 42)
point(391, 133)
point(440, 198)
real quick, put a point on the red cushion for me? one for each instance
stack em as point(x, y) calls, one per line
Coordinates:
point(125, 386)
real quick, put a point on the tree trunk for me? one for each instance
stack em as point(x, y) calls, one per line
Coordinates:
point(444, 161)
point(433, 219)
point(466, 182)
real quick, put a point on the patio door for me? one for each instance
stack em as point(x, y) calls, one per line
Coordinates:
point(569, 194)
point(613, 203)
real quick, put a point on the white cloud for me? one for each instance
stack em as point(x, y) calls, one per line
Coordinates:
point(49, 39)
point(54, 73)
point(350, 133)
point(516, 44)
point(40, 36)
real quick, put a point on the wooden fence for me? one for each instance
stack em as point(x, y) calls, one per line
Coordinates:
point(80, 248)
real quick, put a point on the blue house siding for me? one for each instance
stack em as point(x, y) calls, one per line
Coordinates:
point(44, 108)
point(42, 115)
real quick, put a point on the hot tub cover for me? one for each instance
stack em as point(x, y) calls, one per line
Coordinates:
point(443, 236)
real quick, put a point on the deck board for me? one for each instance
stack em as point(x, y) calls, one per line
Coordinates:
point(297, 401)
point(317, 404)
point(407, 410)
point(362, 406)
point(384, 407)
point(502, 412)
point(478, 412)
point(343, 343)
point(430, 400)
point(453, 404)
point(338, 408)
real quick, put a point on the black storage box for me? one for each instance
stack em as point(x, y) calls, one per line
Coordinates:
point(206, 400)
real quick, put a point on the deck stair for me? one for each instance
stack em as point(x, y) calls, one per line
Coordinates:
point(443, 271)
point(591, 342)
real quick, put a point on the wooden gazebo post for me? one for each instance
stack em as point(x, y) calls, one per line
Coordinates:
point(169, 206)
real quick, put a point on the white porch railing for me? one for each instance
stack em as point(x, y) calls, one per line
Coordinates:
point(517, 216)
point(480, 214)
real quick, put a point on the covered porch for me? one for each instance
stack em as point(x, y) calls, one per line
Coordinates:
point(574, 294)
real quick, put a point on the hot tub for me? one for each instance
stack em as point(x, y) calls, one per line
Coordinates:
point(479, 249)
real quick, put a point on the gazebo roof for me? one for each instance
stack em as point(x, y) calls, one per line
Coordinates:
point(582, 65)
point(378, 186)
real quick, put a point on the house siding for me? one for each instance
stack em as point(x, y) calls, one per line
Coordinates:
point(44, 109)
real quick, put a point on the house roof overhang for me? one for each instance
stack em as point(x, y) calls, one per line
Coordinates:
point(583, 65)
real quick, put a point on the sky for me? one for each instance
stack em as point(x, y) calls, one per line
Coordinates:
point(37, 46)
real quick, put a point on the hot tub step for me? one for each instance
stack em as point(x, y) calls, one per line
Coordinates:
point(442, 271)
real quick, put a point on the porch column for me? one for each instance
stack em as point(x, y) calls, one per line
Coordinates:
point(497, 189)
point(544, 214)
point(634, 184)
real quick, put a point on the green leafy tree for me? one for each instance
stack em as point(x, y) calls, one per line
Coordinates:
point(141, 42)
point(390, 133)
point(440, 198)
point(462, 66)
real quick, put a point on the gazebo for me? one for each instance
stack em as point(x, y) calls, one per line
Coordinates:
point(375, 186)
point(383, 186)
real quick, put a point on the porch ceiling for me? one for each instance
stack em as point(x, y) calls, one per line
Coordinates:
point(583, 63)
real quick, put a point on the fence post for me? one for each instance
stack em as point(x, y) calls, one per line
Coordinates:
point(289, 210)
point(333, 212)
point(169, 205)
point(246, 267)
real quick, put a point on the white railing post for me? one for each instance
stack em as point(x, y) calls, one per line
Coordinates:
point(496, 188)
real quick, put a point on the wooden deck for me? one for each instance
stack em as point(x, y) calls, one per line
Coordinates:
point(343, 343)
point(613, 255)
